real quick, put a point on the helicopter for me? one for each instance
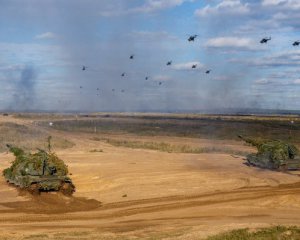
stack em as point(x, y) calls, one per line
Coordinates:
point(169, 63)
point(146, 78)
point(131, 56)
point(194, 66)
point(265, 40)
point(160, 83)
point(123, 74)
point(192, 38)
point(296, 43)
point(208, 71)
point(84, 68)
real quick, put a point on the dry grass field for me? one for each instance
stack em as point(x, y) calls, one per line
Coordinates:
point(151, 177)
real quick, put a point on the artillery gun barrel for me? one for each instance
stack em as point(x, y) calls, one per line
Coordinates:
point(15, 150)
point(252, 141)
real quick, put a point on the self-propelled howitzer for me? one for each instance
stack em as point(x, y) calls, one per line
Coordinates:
point(273, 154)
point(38, 172)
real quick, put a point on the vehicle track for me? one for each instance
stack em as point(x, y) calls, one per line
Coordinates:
point(136, 207)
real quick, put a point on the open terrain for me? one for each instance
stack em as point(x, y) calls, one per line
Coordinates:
point(149, 177)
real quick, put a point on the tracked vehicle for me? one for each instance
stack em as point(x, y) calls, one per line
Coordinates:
point(273, 154)
point(37, 172)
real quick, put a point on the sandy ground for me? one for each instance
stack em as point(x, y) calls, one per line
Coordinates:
point(137, 193)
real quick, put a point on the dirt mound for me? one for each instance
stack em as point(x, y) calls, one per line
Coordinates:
point(51, 203)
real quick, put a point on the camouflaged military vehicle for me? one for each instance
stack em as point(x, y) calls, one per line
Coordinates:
point(273, 154)
point(38, 172)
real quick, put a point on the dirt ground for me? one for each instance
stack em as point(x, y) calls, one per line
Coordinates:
point(125, 193)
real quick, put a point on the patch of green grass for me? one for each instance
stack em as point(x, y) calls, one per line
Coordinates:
point(272, 233)
point(166, 147)
point(205, 127)
point(28, 138)
point(37, 236)
point(96, 150)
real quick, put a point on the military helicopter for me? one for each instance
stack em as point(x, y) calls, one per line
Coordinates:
point(192, 38)
point(265, 40)
point(131, 56)
point(208, 71)
point(297, 43)
point(194, 66)
point(84, 68)
point(160, 83)
point(169, 63)
point(123, 74)
point(146, 78)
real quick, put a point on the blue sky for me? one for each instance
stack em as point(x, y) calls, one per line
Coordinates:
point(44, 44)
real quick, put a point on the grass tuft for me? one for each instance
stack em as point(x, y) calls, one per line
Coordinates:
point(272, 233)
point(166, 147)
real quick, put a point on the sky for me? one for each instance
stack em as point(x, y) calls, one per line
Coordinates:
point(45, 44)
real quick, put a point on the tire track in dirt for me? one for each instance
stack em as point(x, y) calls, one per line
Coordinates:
point(144, 206)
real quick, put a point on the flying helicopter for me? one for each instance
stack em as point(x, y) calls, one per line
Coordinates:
point(208, 71)
point(160, 83)
point(265, 40)
point(123, 74)
point(146, 78)
point(194, 66)
point(169, 63)
point(192, 38)
point(131, 56)
point(84, 68)
point(296, 43)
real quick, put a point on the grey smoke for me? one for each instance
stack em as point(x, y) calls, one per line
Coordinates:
point(24, 94)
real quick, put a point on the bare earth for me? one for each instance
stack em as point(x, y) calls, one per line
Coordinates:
point(137, 193)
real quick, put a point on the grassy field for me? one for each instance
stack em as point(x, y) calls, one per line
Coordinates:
point(28, 138)
point(166, 147)
point(210, 128)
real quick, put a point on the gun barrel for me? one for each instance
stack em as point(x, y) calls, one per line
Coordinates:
point(15, 150)
point(254, 142)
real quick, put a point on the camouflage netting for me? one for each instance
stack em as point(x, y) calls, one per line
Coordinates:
point(32, 164)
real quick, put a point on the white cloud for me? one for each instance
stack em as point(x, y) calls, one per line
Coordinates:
point(161, 78)
point(264, 81)
point(282, 59)
point(160, 35)
point(290, 4)
point(272, 2)
point(46, 35)
point(232, 7)
point(278, 83)
point(187, 66)
point(232, 42)
point(156, 5)
point(297, 81)
point(148, 7)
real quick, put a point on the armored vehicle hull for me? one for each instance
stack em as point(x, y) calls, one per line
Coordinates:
point(273, 154)
point(263, 162)
point(36, 184)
